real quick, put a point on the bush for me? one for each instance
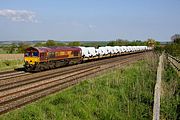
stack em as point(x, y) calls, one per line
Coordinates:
point(173, 49)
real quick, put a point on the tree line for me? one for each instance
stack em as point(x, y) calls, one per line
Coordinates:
point(172, 48)
point(20, 47)
point(121, 42)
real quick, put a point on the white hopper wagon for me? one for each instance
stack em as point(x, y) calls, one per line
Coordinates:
point(110, 50)
point(103, 50)
point(85, 52)
point(92, 51)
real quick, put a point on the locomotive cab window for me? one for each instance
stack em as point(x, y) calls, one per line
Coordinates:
point(35, 53)
point(27, 54)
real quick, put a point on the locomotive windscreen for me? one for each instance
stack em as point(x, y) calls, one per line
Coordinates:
point(31, 52)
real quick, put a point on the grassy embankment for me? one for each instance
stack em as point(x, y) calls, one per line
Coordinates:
point(124, 93)
point(170, 98)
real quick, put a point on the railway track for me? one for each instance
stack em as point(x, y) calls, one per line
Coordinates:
point(12, 74)
point(18, 92)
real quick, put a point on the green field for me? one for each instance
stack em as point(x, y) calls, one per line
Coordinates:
point(10, 64)
point(125, 93)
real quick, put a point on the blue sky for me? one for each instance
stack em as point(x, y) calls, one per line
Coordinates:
point(89, 19)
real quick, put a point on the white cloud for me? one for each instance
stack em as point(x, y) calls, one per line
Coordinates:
point(19, 15)
point(91, 27)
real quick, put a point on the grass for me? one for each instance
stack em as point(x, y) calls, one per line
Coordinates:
point(125, 93)
point(173, 49)
point(170, 100)
point(10, 64)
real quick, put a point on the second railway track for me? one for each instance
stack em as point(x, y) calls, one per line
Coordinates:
point(12, 74)
point(15, 93)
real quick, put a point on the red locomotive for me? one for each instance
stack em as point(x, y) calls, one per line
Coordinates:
point(42, 58)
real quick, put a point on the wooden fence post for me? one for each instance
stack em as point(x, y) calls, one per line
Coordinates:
point(157, 93)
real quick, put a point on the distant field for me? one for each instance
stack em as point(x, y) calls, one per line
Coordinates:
point(10, 64)
point(11, 56)
point(10, 61)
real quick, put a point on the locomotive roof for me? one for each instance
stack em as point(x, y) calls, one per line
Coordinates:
point(54, 49)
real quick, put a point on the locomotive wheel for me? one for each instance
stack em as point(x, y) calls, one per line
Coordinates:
point(58, 64)
point(37, 70)
point(51, 65)
point(41, 69)
point(66, 62)
point(28, 69)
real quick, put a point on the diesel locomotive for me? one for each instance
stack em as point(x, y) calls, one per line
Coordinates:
point(43, 58)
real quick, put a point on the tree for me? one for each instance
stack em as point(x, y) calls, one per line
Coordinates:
point(176, 38)
point(118, 42)
point(5, 48)
point(137, 43)
point(39, 44)
point(12, 48)
point(50, 43)
point(112, 43)
point(22, 47)
point(60, 44)
point(75, 43)
point(177, 41)
point(151, 42)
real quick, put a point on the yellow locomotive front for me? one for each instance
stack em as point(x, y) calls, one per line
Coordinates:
point(31, 58)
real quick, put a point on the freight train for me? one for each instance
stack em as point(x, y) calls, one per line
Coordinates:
point(44, 58)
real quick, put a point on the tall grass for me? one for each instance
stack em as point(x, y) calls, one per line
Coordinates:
point(170, 100)
point(10, 64)
point(125, 93)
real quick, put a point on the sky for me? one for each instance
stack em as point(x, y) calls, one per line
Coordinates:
point(78, 20)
